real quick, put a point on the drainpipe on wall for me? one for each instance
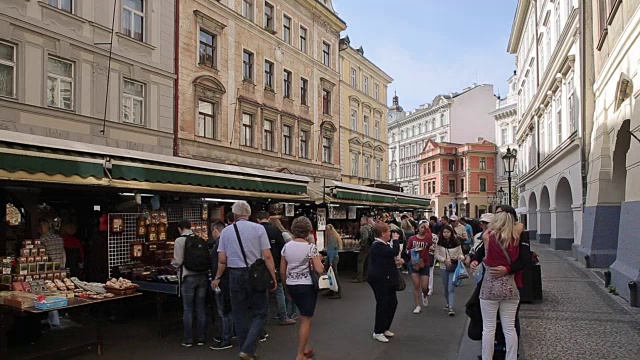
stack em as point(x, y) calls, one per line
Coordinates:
point(586, 118)
point(176, 68)
point(537, 129)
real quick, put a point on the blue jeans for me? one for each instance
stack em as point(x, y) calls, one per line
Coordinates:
point(447, 284)
point(226, 320)
point(281, 302)
point(194, 295)
point(245, 302)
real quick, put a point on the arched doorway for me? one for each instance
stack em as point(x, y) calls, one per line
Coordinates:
point(544, 217)
point(522, 204)
point(533, 216)
point(563, 237)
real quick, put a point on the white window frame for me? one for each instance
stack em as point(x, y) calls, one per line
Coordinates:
point(58, 5)
point(571, 105)
point(354, 120)
point(480, 184)
point(367, 167)
point(378, 169)
point(133, 98)
point(286, 35)
point(267, 135)
point(376, 129)
point(303, 39)
point(326, 57)
point(376, 91)
point(354, 163)
point(247, 9)
point(59, 79)
point(354, 76)
point(204, 123)
point(549, 131)
point(286, 139)
point(504, 135)
point(244, 134)
point(543, 139)
point(134, 13)
point(326, 150)
point(365, 128)
point(11, 64)
point(365, 84)
point(558, 108)
point(304, 154)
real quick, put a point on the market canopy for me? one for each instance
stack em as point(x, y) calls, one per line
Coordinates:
point(340, 192)
point(33, 158)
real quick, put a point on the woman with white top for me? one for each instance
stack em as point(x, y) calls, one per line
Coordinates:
point(299, 258)
point(448, 253)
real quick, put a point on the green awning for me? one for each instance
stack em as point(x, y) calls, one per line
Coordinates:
point(188, 176)
point(51, 164)
point(354, 195)
point(414, 201)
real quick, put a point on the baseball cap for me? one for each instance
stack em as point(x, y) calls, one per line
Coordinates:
point(486, 217)
point(453, 218)
point(422, 222)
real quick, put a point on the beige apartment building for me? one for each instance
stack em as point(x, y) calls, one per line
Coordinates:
point(363, 121)
point(259, 84)
point(54, 70)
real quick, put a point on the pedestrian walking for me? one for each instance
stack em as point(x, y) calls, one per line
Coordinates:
point(418, 248)
point(241, 246)
point(192, 257)
point(499, 293)
point(299, 259)
point(383, 277)
point(334, 245)
point(54, 245)
point(276, 239)
point(222, 296)
point(448, 253)
point(366, 239)
point(292, 310)
point(432, 260)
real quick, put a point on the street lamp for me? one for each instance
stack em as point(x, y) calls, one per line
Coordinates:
point(509, 160)
point(501, 195)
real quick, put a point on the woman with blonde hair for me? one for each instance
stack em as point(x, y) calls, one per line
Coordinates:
point(285, 234)
point(499, 294)
point(334, 245)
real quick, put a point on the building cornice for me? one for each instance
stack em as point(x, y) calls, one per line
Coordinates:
point(355, 56)
point(519, 21)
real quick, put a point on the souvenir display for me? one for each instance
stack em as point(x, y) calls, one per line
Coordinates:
point(155, 217)
point(136, 250)
point(205, 211)
point(141, 227)
point(117, 224)
point(152, 232)
point(162, 232)
point(163, 218)
point(13, 216)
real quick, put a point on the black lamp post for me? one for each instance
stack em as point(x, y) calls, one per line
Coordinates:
point(509, 160)
point(501, 195)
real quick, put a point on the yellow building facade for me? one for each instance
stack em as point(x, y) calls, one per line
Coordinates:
point(364, 147)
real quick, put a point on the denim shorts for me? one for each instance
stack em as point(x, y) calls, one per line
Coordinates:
point(423, 272)
point(305, 297)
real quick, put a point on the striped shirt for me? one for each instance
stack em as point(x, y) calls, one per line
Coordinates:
point(54, 245)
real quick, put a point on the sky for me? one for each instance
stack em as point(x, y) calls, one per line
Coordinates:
point(432, 47)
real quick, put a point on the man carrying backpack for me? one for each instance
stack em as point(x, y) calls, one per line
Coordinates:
point(191, 257)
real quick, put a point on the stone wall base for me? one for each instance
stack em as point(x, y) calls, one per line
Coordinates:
point(544, 238)
point(561, 243)
point(599, 235)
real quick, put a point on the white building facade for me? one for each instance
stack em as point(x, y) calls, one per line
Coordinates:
point(545, 38)
point(506, 118)
point(611, 227)
point(456, 117)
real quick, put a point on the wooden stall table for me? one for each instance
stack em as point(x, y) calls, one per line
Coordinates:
point(9, 313)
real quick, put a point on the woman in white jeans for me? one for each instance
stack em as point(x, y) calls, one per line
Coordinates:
point(499, 294)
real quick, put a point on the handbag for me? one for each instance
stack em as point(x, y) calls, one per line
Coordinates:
point(499, 288)
point(259, 276)
point(454, 263)
point(401, 285)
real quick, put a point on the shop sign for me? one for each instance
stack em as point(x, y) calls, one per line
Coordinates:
point(322, 219)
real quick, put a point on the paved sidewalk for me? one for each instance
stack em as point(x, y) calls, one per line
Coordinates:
point(577, 319)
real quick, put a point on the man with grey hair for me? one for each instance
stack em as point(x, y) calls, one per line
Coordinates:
point(244, 300)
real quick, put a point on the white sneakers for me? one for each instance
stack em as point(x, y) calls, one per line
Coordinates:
point(389, 334)
point(425, 300)
point(430, 292)
point(381, 338)
point(417, 310)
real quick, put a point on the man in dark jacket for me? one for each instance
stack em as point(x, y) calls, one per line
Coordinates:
point(222, 297)
point(277, 243)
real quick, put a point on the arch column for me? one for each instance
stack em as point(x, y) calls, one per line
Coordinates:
point(561, 228)
point(544, 226)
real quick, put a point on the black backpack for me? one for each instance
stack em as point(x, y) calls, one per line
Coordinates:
point(196, 254)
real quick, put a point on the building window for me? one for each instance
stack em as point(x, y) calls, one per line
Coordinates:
point(247, 130)
point(304, 148)
point(376, 129)
point(376, 92)
point(366, 125)
point(504, 136)
point(268, 75)
point(247, 65)
point(429, 168)
point(267, 135)
point(452, 186)
point(549, 131)
point(354, 120)
point(483, 185)
point(133, 102)
point(304, 85)
point(268, 17)
point(286, 139)
point(60, 83)
point(571, 103)
point(461, 164)
point(247, 9)
point(287, 84)
point(326, 101)
point(514, 132)
point(206, 120)
point(367, 167)
point(365, 85)
point(452, 165)
point(7, 70)
point(559, 118)
point(483, 163)
point(303, 39)
point(286, 29)
point(354, 164)
point(133, 19)
point(462, 185)
point(354, 75)
point(378, 169)
point(207, 49)
point(64, 5)
point(326, 150)
point(543, 139)
point(326, 54)
point(557, 20)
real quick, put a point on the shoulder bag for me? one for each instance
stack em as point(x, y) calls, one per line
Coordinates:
point(259, 276)
point(454, 262)
point(499, 288)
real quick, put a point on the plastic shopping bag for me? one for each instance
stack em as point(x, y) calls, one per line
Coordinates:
point(457, 274)
point(333, 283)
